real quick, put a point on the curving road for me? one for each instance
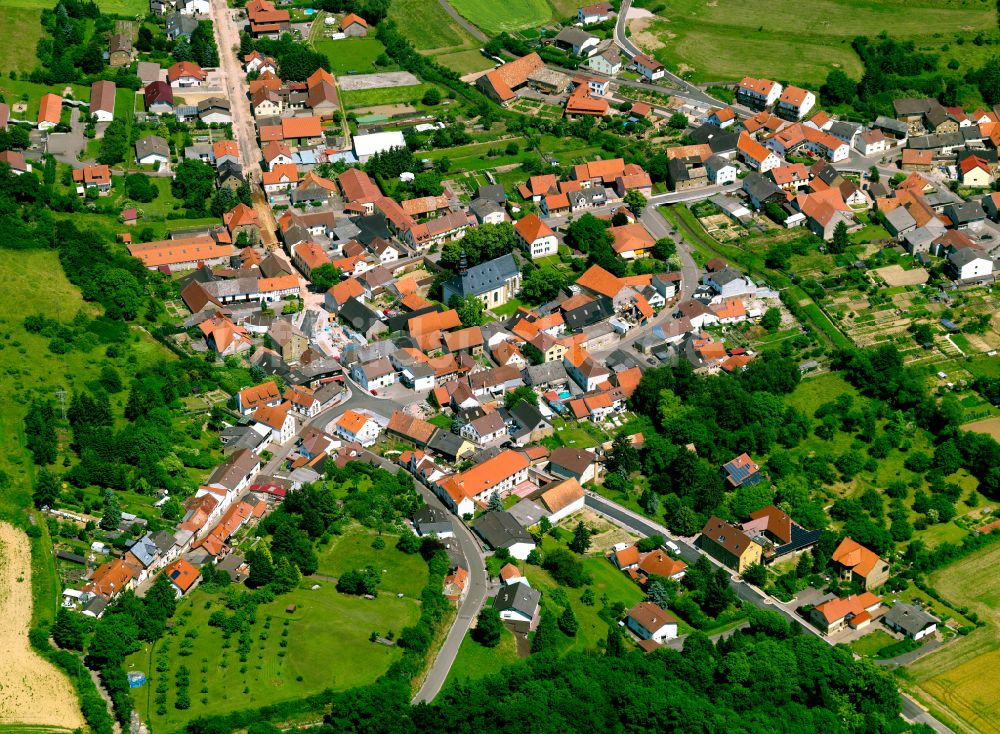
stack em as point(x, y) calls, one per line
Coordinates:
point(621, 38)
point(469, 28)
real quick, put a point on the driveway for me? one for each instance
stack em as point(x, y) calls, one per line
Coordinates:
point(67, 147)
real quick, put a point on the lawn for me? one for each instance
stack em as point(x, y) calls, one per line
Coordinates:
point(428, 27)
point(402, 573)
point(465, 62)
point(389, 95)
point(712, 41)
point(15, 91)
point(961, 678)
point(351, 54)
point(475, 661)
point(812, 392)
point(871, 643)
point(24, 23)
point(508, 309)
point(509, 16)
point(327, 647)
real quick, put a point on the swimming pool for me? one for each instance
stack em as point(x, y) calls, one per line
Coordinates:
point(309, 11)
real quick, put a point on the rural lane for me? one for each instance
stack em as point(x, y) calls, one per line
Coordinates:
point(912, 711)
point(469, 28)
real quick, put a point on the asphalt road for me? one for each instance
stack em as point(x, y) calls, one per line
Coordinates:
point(912, 711)
point(477, 589)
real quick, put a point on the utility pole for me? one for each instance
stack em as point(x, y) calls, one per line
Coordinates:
point(61, 394)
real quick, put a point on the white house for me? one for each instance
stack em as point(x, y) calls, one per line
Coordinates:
point(795, 102)
point(485, 429)
point(649, 622)
point(375, 374)
point(278, 419)
point(648, 67)
point(758, 92)
point(912, 621)
point(721, 171)
point(357, 427)
point(596, 13)
point(608, 61)
point(518, 604)
point(562, 499)
point(969, 264)
point(193, 7)
point(871, 142)
point(536, 237)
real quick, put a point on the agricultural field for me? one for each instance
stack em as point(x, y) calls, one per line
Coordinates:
point(493, 17)
point(289, 652)
point(960, 679)
point(35, 693)
point(351, 54)
point(429, 28)
point(712, 41)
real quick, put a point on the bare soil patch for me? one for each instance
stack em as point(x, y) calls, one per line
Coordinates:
point(32, 691)
point(642, 36)
point(894, 275)
point(352, 83)
point(987, 425)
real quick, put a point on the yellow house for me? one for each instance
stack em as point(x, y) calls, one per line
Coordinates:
point(729, 544)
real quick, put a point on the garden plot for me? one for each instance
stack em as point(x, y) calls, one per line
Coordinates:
point(385, 80)
point(895, 276)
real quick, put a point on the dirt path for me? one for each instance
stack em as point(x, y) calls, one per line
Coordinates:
point(32, 691)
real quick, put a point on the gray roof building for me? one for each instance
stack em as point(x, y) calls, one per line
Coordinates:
point(528, 513)
point(180, 26)
point(501, 530)
point(432, 521)
point(909, 620)
point(518, 597)
point(483, 278)
point(547, 373)
point(151, 145)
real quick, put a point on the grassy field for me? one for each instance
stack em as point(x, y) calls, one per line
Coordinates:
point(960, 678)
point(510, 16)
point(403, 573)
point(465, 62)
point(429, 27)
point(713, 41)
point(22, 21)
point(475, 661)
point(351, 54)
point(326, 643)
point(27, 367)
point(389, 95)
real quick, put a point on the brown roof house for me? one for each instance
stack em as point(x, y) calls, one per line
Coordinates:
point(860, 564)
point(120, 50)
point(579, 464)
point(729, 544)
point(288, 340)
